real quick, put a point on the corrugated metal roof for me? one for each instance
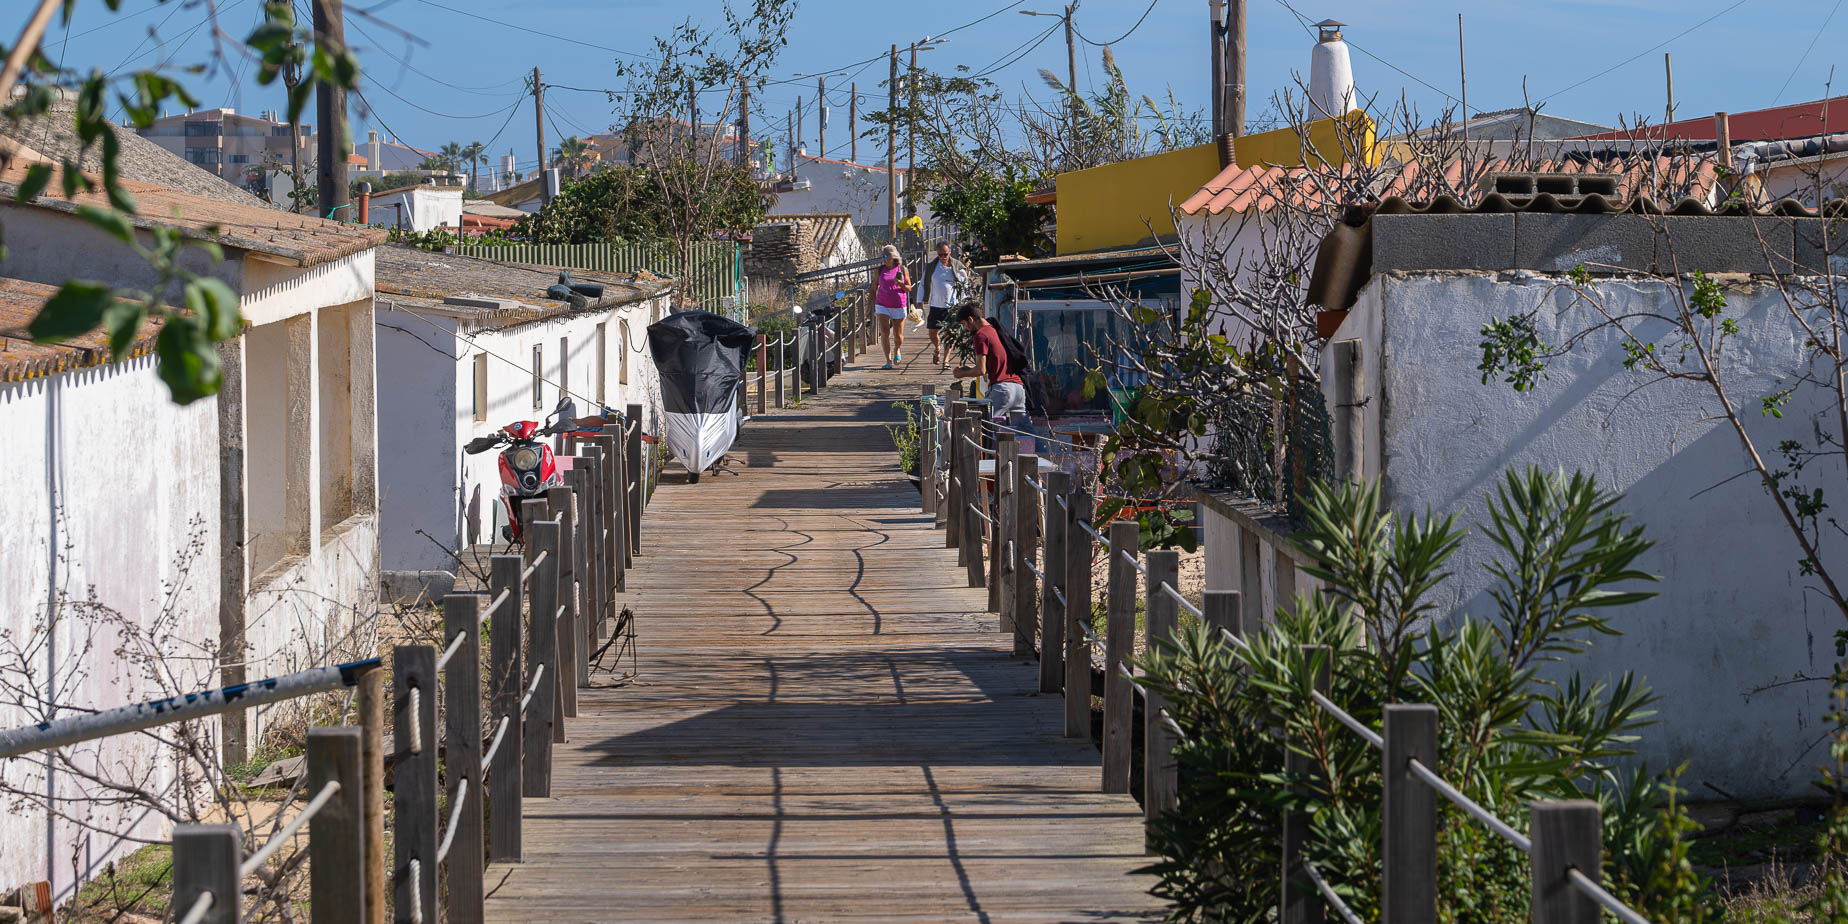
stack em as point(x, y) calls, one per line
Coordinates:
point(1240, 190)
point(409, 277)
point(22, 359)
point(1798, 120)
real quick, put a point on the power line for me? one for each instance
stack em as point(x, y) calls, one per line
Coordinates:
point(1007, 60)
point(495, 90)
point(445, 115)
point(1304, 20)
point(1737, 4)
point(1132, 29)
point(1806, 53)
point(561, 38)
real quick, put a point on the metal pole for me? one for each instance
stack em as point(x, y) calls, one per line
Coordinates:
point(892, 150)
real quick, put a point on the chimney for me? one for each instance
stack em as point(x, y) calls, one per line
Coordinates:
point(365, 203)
point(1331, 74)
point(372, 152)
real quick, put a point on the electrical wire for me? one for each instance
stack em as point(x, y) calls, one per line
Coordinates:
point(1806, 53)
point(445, 115)
point(1132, 29)
point(1737, 4)
point(561, 38)
point(1010, 57)
point(498, 89)
point(1306, 24)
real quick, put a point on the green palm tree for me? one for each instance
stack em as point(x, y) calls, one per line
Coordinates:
point(572, 154)
point(450, 156)
point(472, 154)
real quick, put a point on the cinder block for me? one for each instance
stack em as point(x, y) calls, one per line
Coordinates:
point(1725, 244)
point(1559, 242)
point(1443, 242)
point(1821, 246)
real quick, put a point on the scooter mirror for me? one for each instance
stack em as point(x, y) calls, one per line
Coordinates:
point(566, 409)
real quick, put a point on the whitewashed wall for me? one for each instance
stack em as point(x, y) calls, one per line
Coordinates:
point(113, 504)
point(1733, 615)
point(417, 208)
point(419, 452)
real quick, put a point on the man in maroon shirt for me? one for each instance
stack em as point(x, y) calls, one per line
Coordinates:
point(1006, 392)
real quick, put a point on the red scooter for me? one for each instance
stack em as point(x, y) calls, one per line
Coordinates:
point(527, 467)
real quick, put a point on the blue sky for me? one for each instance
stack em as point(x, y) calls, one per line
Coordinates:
point(456, 80)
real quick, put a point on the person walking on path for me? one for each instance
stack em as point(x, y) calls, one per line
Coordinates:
point(1007, 393)
point(943, 278)
point(889, 305)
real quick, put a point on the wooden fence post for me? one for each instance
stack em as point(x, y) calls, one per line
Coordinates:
point(413, 792)
point(1250, 578)
point(372, 755)
point(959, 492)
point(541, 651)
point(1001, 578)
point(1567, 835)
point(462, 755)
point(992, 527)
point(337, 834)
point(1078, 545)
point(781, 370)
point(637, 472)
point(974, 527)
point(795, 384)
point(1159, 782)
point(1119, 639)
point(583, 564)
point(762, 371)
point(1222, 612)
point(1408, 847)
point(1026, 537)
point(565, 631)
point(206, 859)
point(1298, 900)
point(504, 690)
point(616, 556)
point(927, 456)
point(1052, 564)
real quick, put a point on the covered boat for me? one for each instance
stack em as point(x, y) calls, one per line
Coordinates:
point(700, 357)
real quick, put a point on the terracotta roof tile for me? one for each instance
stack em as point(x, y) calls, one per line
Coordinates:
point(301, 240)
point(22, 359)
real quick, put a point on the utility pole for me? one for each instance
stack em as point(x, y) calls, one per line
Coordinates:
point(330, 106)
point(291, 78)
point(801, 127)
point(545, 190)
point(1216, 58)
point(1463, 86)
point(1235, 66)
point(789, 124)
point(911, 134)
point(892, 149)
point(744, 123)
point(853, 122)
point(693, 113)
point(1071, 77)
point(821, 115)
point(1668, 115)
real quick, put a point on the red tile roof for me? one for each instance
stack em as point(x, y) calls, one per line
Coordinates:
point(22, 359)
point(1243, 189)
point(1798, 120)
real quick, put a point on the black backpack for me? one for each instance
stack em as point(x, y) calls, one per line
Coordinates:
point(1015, 353)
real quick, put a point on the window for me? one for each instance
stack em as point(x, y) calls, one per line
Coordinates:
point(481, 387)
point(202, 155)
point(538, 377)
point(603, 356)
point(622, 370)
point(202, 129)
point(334, 412)
point(239, 158)
point(564, 366)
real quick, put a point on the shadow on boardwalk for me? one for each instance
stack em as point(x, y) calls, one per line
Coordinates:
point(825, 725)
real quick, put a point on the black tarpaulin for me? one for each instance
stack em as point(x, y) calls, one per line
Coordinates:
point(700, 356)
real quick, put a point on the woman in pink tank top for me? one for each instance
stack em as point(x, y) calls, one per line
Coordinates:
point(889, 305)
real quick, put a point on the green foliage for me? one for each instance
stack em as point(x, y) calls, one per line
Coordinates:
point(438, 239)
point(1831, 901)
point(1510, 733)
point(629, 204)
point(992, 215)
point(906, 439)
point(1513, 348)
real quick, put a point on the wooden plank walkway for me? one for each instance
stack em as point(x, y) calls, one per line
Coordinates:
point(826, 726)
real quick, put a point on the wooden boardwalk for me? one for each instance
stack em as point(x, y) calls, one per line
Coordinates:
point(826, 725)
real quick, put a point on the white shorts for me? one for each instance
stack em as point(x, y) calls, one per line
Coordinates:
point(887, 311)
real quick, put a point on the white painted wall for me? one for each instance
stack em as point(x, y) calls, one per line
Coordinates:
point(418, 208)
point(1732, 614)
point(837, 187)
point(420, 455)
point(113, 501)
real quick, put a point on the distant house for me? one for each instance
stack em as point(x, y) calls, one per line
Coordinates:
point(784, 246)
point(1790, 151)
point(424, 207)
point(826, 185)
point(239, 531)
point(467, 346)
point(234, 146)
point(525, 197)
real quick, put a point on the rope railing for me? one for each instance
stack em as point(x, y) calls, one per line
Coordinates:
point(416, 872)
point(500, 731)
point(983, 516)
point(1181, 601)
point(201, 907)
point(1060, 594)
point(456, 803)
point(1605, 900)
point(538, 560)
point(1086, 526)
point(1341, 715)
point(1476, 811)
point(416, 720)
point(504, 596)
point(1131, 558)
point(1033, 570)
point(532, 688)
point(1334, 901)
point(455, 645)
point(256, 860)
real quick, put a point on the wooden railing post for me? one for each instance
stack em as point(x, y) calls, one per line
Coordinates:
point(637, 473)
point(1119, 639)
point(542, 652)
point(1222, 612)
point(927, 456)
point(782, 370)
point(1159, 783)
point(795, 384)
point(1052, 564)
point(337, 834)
point(1001, 577)
point(206, 859)
point(762, 370)
point(504, 690)
point(959, 492)
point(584, 561)
point(462, 756)
point(564, 501)
point(974, 527)
point(992, 527)
point(371, 701)
point(1078, 545)
point(1026, 537)
point(1408, 880)
point(1567, 835)
point(413, 792)
point(1298, 900)
point(1250, 577)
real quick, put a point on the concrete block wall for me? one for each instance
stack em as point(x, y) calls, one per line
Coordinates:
point(1554, 242)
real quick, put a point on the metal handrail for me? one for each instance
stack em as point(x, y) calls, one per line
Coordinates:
point(1185, 604)
point(537, 559)
point(1341, 715)
point(1334, 901)
point(201, 907)
point(500, 731)
point(1605, 900)
point(1469, 805)
point(532, 688)
point(1132, 560)
point(977, 511)
point(256, 860)
point(455, 818)
point(455, 645)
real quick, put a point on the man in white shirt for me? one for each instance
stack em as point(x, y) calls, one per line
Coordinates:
point(942, 280)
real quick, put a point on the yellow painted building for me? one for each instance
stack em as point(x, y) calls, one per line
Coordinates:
point(1126, 203)
point(1328, 141)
